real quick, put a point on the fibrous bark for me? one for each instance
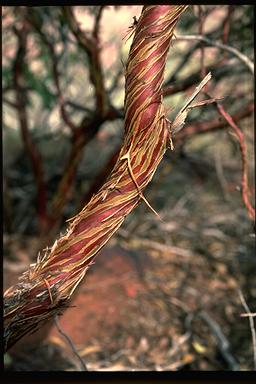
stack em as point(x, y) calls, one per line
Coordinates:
point(45, 289)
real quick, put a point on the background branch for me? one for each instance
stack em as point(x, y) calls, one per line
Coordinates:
point(31, 149)
point(251, 322)
point(242, 144)
point(243, 58)
point(92, 48)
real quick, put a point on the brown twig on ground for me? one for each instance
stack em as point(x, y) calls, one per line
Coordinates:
point(223, 342)
point(138, 242)
point(251, 322)
point(70, 343)
point(242, 144)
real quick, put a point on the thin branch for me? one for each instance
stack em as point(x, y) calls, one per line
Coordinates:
point(70, 343)
point(91, 47)
point(212, 125)
point(78, 107)
point(96, 27)
point(226, 24)
point(81, 36)
point(184, 62)
point(65, 185)
point(243, 58)
point(180, 118)
point(85, 133)
point(101, 177)
point(251, 322)
point(31, 149)
point(117, 76)
point(201, 32)
point(55, 73)
point(248, 314)
point(10, 103)
point(183, 84)
point(242, 144)
point(223, 342)
point(213, 35)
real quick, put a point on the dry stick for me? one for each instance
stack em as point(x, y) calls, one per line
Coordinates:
point(248, 314)
point(222, 341)
point(71, 344)
point(243, 58)
point(240, 136)
point(27, 305)
point(179, 121)
point(251, 322)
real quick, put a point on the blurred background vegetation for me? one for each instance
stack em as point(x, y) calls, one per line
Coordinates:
point(62, 129)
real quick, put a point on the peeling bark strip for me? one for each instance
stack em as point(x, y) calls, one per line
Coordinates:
point(45, 288)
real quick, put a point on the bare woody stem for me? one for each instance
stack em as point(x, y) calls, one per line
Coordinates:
point(31, 149)
point(91, 46)
point(242, 144)
point(243, 58)
point(44, 290)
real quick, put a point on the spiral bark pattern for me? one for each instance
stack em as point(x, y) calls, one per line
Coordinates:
point(46, 287)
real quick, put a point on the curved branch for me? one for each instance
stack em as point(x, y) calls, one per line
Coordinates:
point(44, 290)
point(242, 144)
point(243, 58)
